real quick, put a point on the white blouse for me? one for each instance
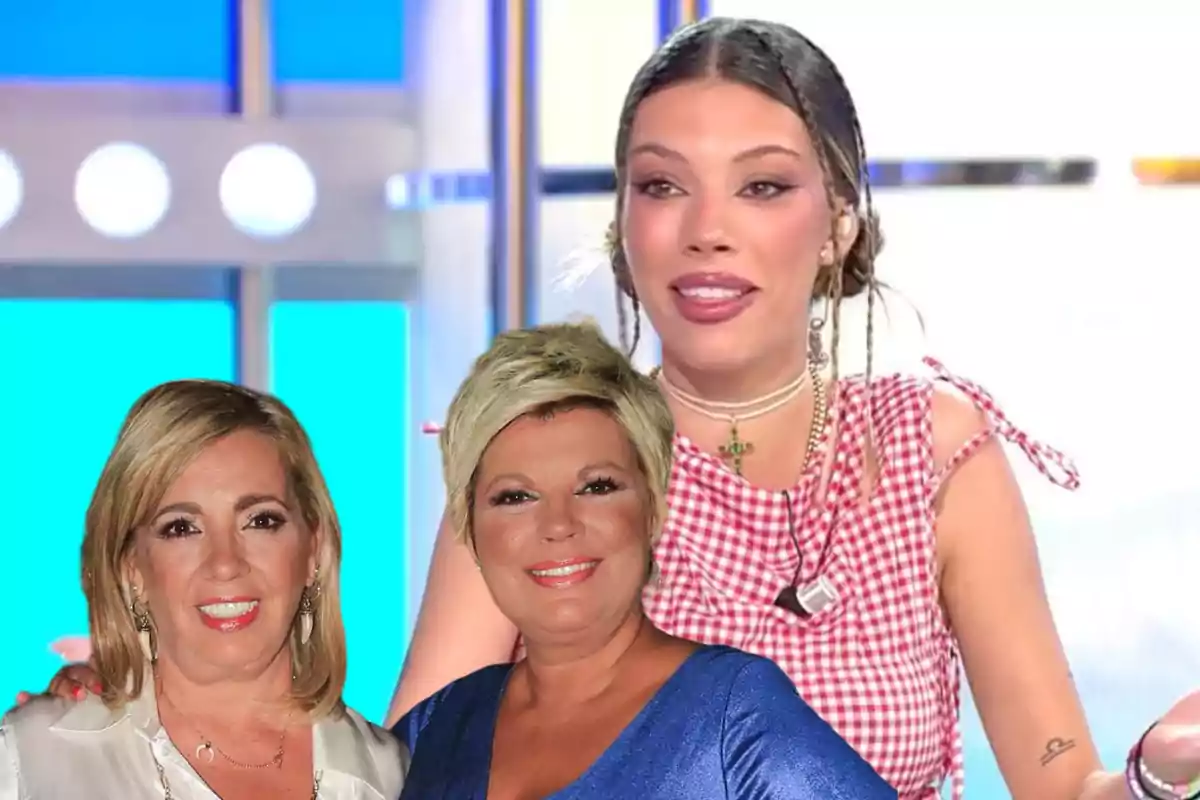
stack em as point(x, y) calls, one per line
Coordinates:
point(53, 749)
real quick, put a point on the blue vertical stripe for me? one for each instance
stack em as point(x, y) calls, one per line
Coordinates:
point(343, 367)
point(500, 44)
point(668, 18)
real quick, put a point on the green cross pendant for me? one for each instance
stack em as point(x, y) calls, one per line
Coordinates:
point(736, 449)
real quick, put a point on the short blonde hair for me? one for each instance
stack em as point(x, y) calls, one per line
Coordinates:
point(167, 427)
point(537, 369)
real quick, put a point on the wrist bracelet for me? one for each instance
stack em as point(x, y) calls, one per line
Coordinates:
point(1145, 785)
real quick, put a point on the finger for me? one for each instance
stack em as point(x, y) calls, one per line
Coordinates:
point(65, 688)
point(1172, 752)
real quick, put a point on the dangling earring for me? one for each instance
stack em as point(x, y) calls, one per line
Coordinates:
point(816, 342)
point(141, 621)
point(307, 612)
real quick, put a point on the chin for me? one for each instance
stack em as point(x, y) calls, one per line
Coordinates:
point(714, 353)
point(562, 623)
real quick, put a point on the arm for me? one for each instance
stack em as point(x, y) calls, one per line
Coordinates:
point(775, 747)
point(459, 629)
point(994, 597)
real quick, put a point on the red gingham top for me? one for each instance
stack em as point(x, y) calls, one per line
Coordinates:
point(880, 664)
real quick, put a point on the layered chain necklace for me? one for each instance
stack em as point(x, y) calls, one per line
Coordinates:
point(207, 751)
point(735, 449)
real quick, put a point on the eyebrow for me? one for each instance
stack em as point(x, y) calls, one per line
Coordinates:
point(654, 148)
point(592, 467)
point(243, 502)
point(601, 465)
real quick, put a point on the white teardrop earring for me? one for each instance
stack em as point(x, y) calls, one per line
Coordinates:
point(307, 612)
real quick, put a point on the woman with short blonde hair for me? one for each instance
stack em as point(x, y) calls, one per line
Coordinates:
point(210, 566)
point(534, 371)
point(557, 455)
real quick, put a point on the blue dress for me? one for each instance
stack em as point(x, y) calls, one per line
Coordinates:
point(726, 726)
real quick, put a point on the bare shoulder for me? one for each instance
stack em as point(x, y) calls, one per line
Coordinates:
point(955, 421)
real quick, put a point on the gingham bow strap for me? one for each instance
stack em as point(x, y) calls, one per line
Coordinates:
point(1056, 466)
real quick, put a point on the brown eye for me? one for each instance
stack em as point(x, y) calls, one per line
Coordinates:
point(510, 497)
point(766, 190)
point(657, 188)
point(266, 521)
point(175, 528)
point(600, 486)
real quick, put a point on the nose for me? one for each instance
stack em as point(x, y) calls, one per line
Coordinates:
point(226, 558)
point(559, 521)
point(705, 229)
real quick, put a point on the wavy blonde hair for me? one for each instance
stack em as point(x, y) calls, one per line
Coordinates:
point(538, 370)
point(167, 427)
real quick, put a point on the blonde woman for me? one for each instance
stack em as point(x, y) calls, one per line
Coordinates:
point(557, 456)
point(210, 567)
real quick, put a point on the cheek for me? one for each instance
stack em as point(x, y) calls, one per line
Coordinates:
point(618, 528)
point(790, 232)
point(650, 235)
point(166, 568)
point(282, 563)
point(498, 537)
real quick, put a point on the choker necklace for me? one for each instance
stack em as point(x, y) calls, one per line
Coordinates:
point(736, 449)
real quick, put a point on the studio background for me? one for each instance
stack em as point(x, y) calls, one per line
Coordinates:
point(1032, 187)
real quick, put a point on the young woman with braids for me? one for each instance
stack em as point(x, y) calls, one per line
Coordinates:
point(862, 532)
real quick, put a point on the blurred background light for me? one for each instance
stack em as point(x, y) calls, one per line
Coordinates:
point(11, 188)
point(267, 191)
point(122, 190)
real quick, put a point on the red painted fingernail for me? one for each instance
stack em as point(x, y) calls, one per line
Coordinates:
point(97, 688)
point(79, 693)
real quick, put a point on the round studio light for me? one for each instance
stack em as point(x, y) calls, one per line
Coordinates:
point(11, 188)
point(267, 191)
point(122, 190)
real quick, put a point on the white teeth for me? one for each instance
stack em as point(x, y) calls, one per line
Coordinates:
point(229, 610)
point(710, 293)
point(561, 572)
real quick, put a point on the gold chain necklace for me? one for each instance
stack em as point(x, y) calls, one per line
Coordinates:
point(166, 785)
point(206, 749)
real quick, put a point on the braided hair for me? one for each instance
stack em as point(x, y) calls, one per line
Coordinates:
point(786, 66)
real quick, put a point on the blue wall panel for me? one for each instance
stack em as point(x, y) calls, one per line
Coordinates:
point(69, 371)
point(339, 41)
point(192, 40)
point(344, 369)
point(150, 39)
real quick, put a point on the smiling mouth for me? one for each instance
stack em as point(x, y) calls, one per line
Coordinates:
point(564, 571)
point(229, 610)
point(712, 294)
